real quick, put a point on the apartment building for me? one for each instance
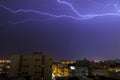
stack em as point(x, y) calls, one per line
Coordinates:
point(35, 67)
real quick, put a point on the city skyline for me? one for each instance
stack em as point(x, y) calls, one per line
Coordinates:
point(64, 29)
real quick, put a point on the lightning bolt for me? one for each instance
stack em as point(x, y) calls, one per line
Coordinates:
point(53, 16)
point(116, 6)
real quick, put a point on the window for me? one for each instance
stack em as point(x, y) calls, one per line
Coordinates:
point(42, 78)
point(26, 66)
point(26, 73)
point(37, 72)
point(50, 65)
point(37, 66)
point(43, 65)
point(36, 59)
point(49, 71)
point(50, 59)
point(25, 59)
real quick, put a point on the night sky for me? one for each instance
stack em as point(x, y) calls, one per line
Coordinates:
point(64, 29)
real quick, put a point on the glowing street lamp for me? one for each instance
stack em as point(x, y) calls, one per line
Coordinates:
point(72, 67)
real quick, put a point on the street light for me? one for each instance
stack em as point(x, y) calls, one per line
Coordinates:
point(72, 67)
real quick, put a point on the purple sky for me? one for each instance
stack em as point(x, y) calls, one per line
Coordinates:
point(96, 36)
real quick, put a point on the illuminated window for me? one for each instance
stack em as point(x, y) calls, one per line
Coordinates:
point(42, 78)
point(43, 65)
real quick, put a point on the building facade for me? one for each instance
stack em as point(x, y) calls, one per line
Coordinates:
point(4, 66)
point(78, 71)
point(35, 67)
